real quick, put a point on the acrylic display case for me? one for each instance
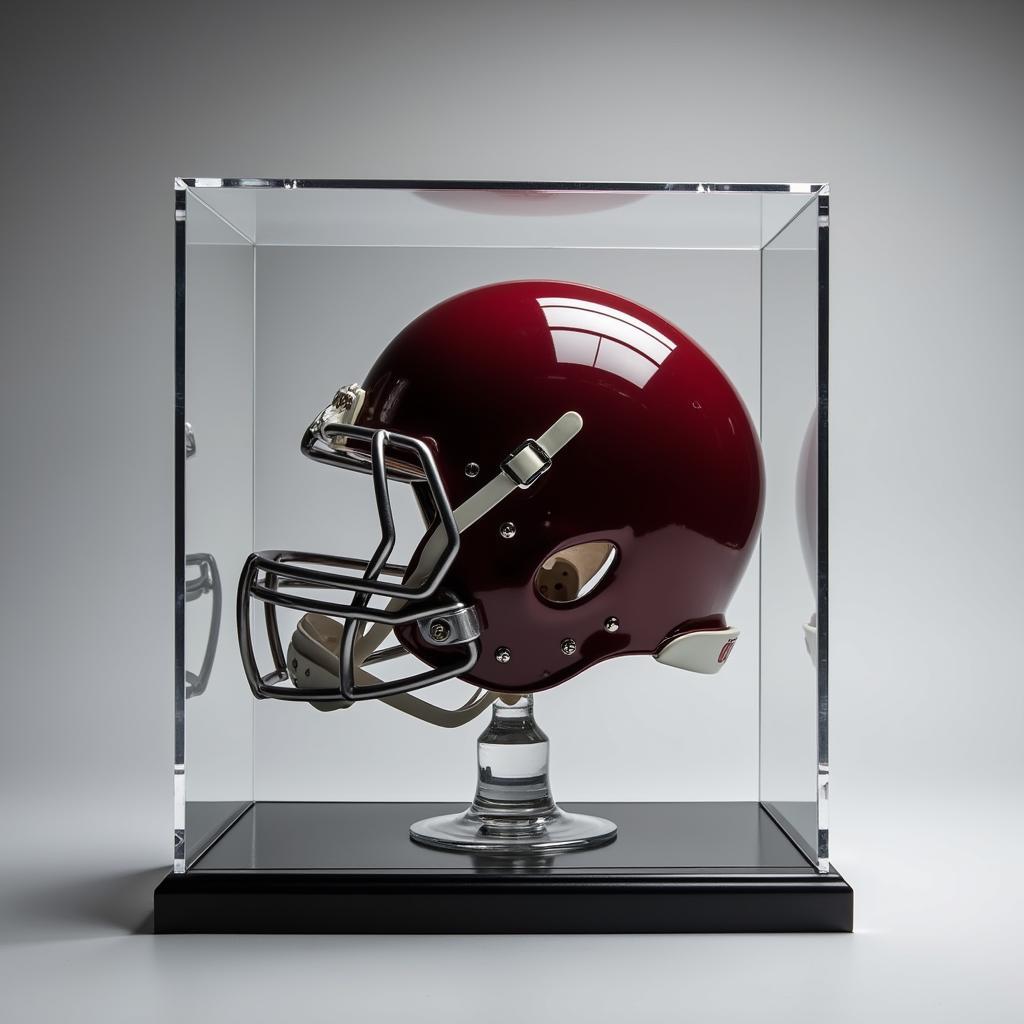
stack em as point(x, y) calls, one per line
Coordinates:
point(290, 819)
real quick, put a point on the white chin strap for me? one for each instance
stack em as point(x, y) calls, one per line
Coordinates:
point(309, 657)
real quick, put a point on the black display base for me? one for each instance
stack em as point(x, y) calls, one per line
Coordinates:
point(351, 868)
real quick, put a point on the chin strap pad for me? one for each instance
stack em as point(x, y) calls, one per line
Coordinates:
point(703, 650)
point(313, 662)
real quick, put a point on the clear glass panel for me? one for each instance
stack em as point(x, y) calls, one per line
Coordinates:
point(276, 327)
point(585, 217)
point(216, 713)
point(794, 704)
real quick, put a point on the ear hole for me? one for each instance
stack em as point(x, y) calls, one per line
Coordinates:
point(574, 572)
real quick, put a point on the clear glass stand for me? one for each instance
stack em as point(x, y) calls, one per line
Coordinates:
point(513, 812)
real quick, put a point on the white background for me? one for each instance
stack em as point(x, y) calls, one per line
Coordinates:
point(911, 111)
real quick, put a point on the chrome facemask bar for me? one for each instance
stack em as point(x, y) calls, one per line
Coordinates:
point(266, 575)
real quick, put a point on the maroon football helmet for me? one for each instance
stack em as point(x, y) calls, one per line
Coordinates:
point(591, 484)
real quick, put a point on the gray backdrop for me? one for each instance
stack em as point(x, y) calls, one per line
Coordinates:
point(911, 111)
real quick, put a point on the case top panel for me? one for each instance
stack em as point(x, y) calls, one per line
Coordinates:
point(646, 216)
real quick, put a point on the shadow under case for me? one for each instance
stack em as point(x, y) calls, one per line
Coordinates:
point(715, 786)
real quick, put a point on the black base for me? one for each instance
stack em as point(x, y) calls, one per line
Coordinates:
point(302, 868)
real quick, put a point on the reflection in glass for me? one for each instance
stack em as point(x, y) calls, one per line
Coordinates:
point(807, 522)
point(205, 581)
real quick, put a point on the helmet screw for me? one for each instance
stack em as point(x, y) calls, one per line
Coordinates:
point(440, 631)
point(568, 645)
point(502, 655)
point(343, 399)
point(507, 530)
point(611, 624)
point(472, 469)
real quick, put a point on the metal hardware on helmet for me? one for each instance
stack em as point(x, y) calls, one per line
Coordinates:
point(526, 464)
point(345, 398)
point(457, 627)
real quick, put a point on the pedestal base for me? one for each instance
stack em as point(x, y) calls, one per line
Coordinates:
point(514, 812)
point(558, 831)
point(352, 868)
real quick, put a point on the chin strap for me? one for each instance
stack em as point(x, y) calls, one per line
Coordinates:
point(444, 717)
point(519, 471)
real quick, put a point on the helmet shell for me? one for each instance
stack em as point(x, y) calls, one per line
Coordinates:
point(667, 468)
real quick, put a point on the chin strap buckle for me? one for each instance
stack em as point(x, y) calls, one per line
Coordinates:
point(526, 464)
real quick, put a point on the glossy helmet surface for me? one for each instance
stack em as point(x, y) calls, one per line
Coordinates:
point(604, 483)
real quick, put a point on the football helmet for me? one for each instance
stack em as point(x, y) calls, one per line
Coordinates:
point(591, 486)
